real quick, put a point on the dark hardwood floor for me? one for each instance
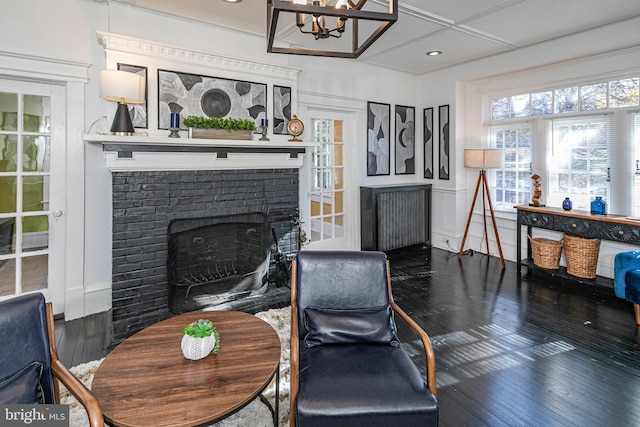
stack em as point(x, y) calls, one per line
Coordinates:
point(82, 340)
point(510, 350)
point(524, 351)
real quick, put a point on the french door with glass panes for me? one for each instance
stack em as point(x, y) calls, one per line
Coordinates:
point(330, 197)
point(31, 190)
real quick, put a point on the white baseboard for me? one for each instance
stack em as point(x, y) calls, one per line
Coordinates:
point(84, 301)
point(97, 298)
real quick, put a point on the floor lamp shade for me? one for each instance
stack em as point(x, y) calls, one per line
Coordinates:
point(483, 158)
point(124, 88)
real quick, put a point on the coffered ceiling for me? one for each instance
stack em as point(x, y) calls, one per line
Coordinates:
point(464, 30)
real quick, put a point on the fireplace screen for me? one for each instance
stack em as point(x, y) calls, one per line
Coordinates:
point(213, 261)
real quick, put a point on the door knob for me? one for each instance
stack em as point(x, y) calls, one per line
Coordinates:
point(57, 213)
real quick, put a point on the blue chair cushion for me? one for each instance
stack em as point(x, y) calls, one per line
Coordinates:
point(624, 263)
point(23, 387)
point(331, 326)
point(632, 289)
point(359, 385)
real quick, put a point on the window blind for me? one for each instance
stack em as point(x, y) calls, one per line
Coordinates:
point(633, 136)
point(578, 160)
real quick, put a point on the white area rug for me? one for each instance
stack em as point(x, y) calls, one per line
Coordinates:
point(256, 414)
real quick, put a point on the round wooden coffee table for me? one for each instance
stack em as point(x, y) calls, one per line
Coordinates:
point(146, 381)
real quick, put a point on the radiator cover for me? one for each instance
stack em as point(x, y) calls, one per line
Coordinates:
point(395, 216)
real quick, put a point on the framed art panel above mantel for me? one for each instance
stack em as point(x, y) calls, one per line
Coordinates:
point(281, 109)
point(197, 95)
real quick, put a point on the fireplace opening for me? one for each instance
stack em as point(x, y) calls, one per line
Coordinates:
point(212, 262)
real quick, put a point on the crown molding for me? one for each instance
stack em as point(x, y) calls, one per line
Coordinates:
point(133, 45)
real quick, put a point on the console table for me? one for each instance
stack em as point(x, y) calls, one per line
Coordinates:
point(617, 228)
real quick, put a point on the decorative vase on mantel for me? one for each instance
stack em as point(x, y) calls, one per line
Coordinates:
point(567, 204)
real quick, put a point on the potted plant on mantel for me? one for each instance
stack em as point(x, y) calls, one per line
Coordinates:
point(200, 339)
point(218, 127)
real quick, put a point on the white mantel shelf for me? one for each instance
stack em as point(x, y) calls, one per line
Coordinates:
point(146, 153)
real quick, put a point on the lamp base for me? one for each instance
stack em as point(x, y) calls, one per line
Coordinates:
point(122, 124)
point(486, 195)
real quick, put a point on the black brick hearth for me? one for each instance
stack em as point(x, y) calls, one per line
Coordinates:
point(143, 205)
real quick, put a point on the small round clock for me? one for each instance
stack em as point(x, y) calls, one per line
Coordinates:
point(295, 127)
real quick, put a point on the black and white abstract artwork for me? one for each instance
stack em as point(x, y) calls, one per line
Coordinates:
point(405, 155)
point(443, 117)
point(138, 112)
point(378, 143)
point(281, 109)
point(427, 134)
point(197, 95)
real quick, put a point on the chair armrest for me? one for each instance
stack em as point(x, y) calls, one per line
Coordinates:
point(426, 343)
point(62, 374)
point(80, 391)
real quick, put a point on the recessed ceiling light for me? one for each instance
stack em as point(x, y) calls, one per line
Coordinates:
point(232, 1)
point(434, 53)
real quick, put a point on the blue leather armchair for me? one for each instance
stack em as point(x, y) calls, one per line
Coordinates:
point(29, 364)
point(347, 365)
point(626, 280)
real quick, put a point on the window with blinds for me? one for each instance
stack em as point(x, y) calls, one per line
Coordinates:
point(578, 160)
point(583, 140)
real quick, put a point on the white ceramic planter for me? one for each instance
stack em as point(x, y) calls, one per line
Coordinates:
point(197, 348)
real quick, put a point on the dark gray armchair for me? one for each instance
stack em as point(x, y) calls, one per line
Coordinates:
point(347, 365)
point(29, 365)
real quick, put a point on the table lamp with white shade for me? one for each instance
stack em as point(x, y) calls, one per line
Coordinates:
point(124, 88)
point(483, 159)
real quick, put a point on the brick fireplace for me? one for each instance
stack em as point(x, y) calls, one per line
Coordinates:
point(146, 201)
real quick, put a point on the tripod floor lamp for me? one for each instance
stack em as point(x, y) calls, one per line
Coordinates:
point(483, 158)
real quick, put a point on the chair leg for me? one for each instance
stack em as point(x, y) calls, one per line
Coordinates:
point(636, 309)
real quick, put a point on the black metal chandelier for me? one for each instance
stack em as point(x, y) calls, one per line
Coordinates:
point(327, 20)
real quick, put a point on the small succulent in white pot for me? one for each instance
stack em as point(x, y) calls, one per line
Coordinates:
point(200, 339)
